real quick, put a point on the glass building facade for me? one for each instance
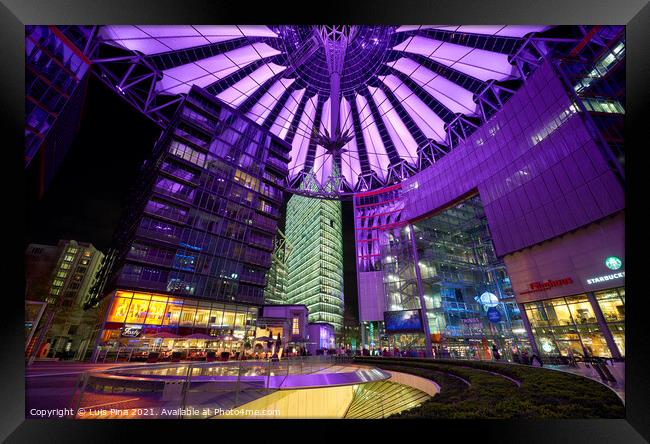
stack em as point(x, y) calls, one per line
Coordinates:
point(55, 89)
point(574, 324)
point(315, 263)
point(276, 282)
point(203, 218)
point(447, 261)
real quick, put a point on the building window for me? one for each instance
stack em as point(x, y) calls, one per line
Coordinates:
point(68, 258)
point(72, 250)
point(57, 283)
point(62, 274)
point(65, 266)
point(569, 323)
point(295, 329)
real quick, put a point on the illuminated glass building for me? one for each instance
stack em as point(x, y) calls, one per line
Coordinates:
point(276, 280)
point(196, 243)
point(315, 264)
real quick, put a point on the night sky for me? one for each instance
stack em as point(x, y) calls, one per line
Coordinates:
point(85, 200)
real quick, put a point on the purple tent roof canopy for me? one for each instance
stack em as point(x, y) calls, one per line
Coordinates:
point(361, 106)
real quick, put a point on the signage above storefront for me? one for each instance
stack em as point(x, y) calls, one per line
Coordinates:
point(605, 278)
point(494, 315)
point(547, 285)
point(131, 331)
point(613, 263)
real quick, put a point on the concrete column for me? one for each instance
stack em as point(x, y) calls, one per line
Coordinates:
point(425, 321)
point(602, 325)
point(529, 330)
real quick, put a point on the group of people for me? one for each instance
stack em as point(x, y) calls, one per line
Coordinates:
point(524, 357)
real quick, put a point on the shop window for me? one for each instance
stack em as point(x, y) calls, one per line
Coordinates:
point(202, 317)
point(611, 305)
point(594, 341)
point(558, 313)
point(156, 310)
point(187, 316)
point(119, 309)
point(216, 316)
point(536, 315)
point(228, 319)
point(240, 319)
point(173, 312)
point(581, 310)
point(618, 333)
point(137, 311)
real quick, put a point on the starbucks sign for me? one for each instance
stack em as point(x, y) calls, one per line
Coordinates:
point(613, 263)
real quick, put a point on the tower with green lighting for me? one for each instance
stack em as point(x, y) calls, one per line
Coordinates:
point(315, 262)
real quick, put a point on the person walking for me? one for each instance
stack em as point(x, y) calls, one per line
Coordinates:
point(495, 352)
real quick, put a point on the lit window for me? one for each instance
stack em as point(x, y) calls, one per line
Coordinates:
point(62, 274)
point(57, 283)
point(295, 329)
point(72, 250)
point(65, 266)
point(68, 258)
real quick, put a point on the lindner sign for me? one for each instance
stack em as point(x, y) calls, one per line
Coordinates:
point(547, 285)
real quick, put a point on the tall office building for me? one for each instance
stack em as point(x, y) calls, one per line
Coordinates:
point(315, 265)
point(61, 276)
point(196, 244)
point(276, 279)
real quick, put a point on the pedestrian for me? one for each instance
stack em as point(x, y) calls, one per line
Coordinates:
point(524, 357)
point(495, 352)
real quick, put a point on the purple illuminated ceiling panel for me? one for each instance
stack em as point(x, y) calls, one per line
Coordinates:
point(427, 120)
point(323, 161)
point(454, 97)
point(241, 90)
point(154, 39)
point(350, 165)
point(432, 72)
point(300, 143)
point(261, 109)
point(376, 151)
point(483, 65)
point(283, 121)
point(404, 142)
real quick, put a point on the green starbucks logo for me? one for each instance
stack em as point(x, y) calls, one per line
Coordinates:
point(613, 263)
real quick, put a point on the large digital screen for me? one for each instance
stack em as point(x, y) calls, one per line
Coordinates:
point(402, 321)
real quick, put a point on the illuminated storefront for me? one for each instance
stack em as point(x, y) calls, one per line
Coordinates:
point(570, 324)
point(155, 322)
point(573, 291)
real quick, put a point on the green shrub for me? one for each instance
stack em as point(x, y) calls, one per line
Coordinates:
point(543, 393)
